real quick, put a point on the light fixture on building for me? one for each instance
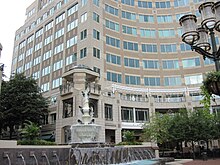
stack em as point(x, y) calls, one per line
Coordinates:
point(197, 37)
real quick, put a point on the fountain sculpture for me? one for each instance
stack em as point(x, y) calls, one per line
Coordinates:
point(85, 131)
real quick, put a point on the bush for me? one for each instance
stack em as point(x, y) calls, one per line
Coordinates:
point(35, 142)
point(129, 143)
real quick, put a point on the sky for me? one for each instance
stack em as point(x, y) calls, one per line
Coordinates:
point(12, 16)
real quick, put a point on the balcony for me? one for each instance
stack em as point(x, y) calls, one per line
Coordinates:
point(169, 100)
point(66, 88)
point(93, 88)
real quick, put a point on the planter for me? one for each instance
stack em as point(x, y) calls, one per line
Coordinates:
point(212, 83)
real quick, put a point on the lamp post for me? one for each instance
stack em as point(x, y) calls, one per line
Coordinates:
point(197, 37)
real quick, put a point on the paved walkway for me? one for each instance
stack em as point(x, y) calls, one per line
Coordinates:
point(195, 162)
point(201, 162)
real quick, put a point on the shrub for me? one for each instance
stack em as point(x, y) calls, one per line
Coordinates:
point(35, 142)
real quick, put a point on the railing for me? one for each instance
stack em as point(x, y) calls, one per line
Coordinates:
point(93, 88)
point(133, 98)
point(66, 88)
point(169, 100)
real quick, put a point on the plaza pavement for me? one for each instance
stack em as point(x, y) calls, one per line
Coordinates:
point(195, 162)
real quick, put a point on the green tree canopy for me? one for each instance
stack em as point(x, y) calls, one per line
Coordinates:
point(20, 100)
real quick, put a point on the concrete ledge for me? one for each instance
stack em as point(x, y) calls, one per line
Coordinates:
point(8, 143)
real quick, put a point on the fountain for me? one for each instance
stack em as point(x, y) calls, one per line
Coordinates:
point(85, 131)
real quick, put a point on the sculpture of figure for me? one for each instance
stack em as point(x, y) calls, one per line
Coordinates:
point(86, 98)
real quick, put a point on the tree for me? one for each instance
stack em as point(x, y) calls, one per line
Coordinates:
point(158, 129)
point(20, 100)
point(31, 131)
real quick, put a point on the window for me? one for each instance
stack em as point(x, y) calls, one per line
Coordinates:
point(59, 33)
point(113, 41)
point(193, 79)
point(149, 48)
point(83, 52)
point(142, 115)
point(30, 39)
point(95, 17)
point(72, 10)
point(96, 52)
point(48, 40)
point(148, 33)
point(130, 46)
point(57, 65)
point(36, 75)
point(84, 17)
point(84, 2)
point(151, 64)
point(96, 2)
point(128, 2)
point(192, 62)
point(146, 18)
point(51, 12)
point(97, 70)
point(39, 33)
point(36, 60)
point(60, 18)
point(166, 33)
point(167, 48)
point(71, 42)
point(108, 112)
point(28, 52)
point(112, 25)
point(164, 19)
point(47, 55)
point(21, 57)
point(45, 87)
point(56, 83)
point(144, 4)
point(127, 114)
point(163, 4)
point(58, 6)
point(38, 46)
point(172, 81)
point(72, 25)
point(27, 65)
point(208, 61)
point(152, 81)
point(83, 34)
point(111, 10)
point(53, 118)
point(58, 49)
point(170, 64)
point(185, 47)
point(114, 59)
point(134, 80)
point(129, 30)
point(134, 63)
point(96, 34)
point(45, 71)
point(128, 15)
point(49, 26)
point(114, 77)
point(70, 59)
point(179, 3)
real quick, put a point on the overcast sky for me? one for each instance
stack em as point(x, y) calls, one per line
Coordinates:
point(12, 16)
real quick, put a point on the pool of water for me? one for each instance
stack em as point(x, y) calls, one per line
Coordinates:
point(141, 162)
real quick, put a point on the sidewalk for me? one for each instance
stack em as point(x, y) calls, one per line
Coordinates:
point(201, 162)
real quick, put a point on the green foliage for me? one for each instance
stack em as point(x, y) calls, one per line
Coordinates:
point(182, 126)
point(157, 129)
point(129, 143)
point(35, 142)
point(30, 131)
point(128, 136)
point(20, 100)
point(207, 89)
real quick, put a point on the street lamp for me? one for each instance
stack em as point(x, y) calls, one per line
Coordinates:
point(197, 37)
